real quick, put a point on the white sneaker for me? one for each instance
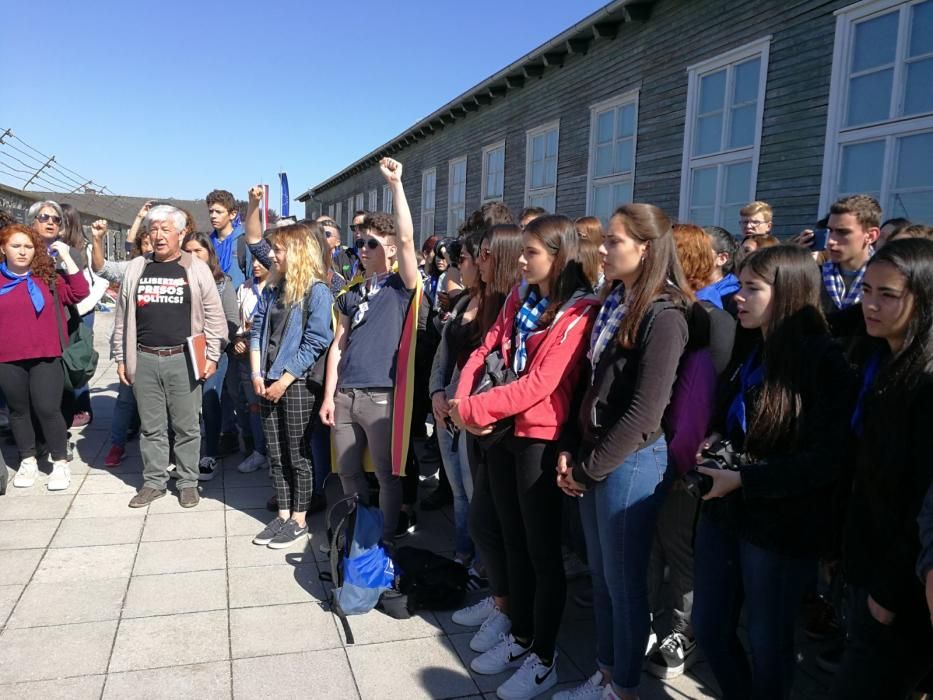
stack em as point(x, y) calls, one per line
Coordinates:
point(496, 625)
point(26, 475)
point(252, 463)
point(60, 479)
point(476, 614)
point(506, 654)
point(591, 689)
point(207, 467)
point(532, 679)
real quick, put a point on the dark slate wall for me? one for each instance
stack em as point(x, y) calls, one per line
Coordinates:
point(653, 57)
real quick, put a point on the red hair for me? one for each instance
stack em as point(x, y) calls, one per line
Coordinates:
point(42, 265)
point(696, 255)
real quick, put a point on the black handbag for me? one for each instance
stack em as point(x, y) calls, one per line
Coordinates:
point(317, 372)
point(496, 373)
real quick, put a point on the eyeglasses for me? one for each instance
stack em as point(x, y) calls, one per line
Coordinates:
point(370, 243)
point(484, 253)
point(752, 222)
point(43, 218)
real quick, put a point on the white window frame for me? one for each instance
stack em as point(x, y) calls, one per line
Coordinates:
point(426, 230)
point(550, 190)
point(451, 205)
point(373, 201)
point(387, 202)
point(760, 47)
point(486, 197)
point(626, 98)
point(837, 134)
point(330, 211)
point(348, 234)
point(358, 203)
point(338, 213)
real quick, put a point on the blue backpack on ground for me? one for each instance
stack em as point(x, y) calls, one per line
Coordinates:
point(359, 563)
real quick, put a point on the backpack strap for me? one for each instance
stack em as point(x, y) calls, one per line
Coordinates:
point(58, 314)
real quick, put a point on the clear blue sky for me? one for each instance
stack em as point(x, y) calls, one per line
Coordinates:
point(175, 98)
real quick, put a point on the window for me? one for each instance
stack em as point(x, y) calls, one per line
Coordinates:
point(541, 166)
point(613, 126)
point(358, 205)
point(373, 204)
point(879, 132)
point(493, 171)
point(387, 199)
point(428, 203)
point(330, 210)
point(725, 102)
point(456, 194)
point(338, 214)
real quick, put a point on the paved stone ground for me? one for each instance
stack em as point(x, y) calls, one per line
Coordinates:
point(100, 601)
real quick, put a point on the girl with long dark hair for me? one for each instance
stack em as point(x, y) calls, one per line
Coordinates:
point(621, 466)
point(499, 271)
point(201, 246)
point(785, 408)
point(541, 336)
point(889, 645)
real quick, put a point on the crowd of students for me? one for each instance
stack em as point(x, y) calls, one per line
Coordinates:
point(748, 414)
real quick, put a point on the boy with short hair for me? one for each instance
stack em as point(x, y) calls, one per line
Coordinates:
point(364, 361)
point(854, 226)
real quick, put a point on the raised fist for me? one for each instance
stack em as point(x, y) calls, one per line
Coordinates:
point(391, 169)
point(99, 228)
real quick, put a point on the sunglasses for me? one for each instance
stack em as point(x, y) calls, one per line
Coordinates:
point(356, 227)
point(43, 218)
point(370, 243)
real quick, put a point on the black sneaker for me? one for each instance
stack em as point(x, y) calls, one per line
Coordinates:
point(676, 654)
point(269, 533)
point(290, 533)
point(407, 521)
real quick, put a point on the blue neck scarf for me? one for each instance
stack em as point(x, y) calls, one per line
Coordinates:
point(714, 293)
point(753, 374)
point(226, 248)
point(35, 294)
point(868, 379)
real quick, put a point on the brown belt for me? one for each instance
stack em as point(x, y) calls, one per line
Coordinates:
point(162, 352)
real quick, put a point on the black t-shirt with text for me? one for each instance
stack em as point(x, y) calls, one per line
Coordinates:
point(163, 305)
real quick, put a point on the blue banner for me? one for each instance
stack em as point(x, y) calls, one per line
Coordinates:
point(284, 180)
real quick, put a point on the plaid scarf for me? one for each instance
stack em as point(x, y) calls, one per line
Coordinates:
point(526, 322)
point(607, 325)
point(836, 288)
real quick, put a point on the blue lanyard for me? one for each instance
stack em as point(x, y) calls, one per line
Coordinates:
point(752, 374)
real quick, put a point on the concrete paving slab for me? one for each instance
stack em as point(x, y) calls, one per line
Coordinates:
point(170, 557)
point(68, 602)
point(168, 594)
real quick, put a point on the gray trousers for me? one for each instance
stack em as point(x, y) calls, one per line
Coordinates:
point(363, 418)
point(673, 545)
point(166, 391)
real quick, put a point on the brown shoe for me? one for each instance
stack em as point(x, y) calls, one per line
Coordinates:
point(189, 497)
point(145, 496)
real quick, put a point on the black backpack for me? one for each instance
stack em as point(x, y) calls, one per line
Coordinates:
point(430, 581)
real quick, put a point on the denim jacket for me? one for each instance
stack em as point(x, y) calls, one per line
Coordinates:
point(300, 348)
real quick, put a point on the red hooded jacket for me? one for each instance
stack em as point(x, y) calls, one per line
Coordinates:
point(540, 399)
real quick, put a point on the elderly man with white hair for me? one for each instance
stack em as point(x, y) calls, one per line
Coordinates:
point(166, 297)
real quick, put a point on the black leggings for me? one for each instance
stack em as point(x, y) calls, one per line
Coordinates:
point(523, 485)
point(34, 387)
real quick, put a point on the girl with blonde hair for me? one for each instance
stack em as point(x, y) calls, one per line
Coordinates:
point(291, 329)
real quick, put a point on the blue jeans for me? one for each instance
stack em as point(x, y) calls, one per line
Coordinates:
point(461, 484)
point(252, 406)
point(211, 409)
point(124, 415)
point(728, 572)
point(619, 517)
